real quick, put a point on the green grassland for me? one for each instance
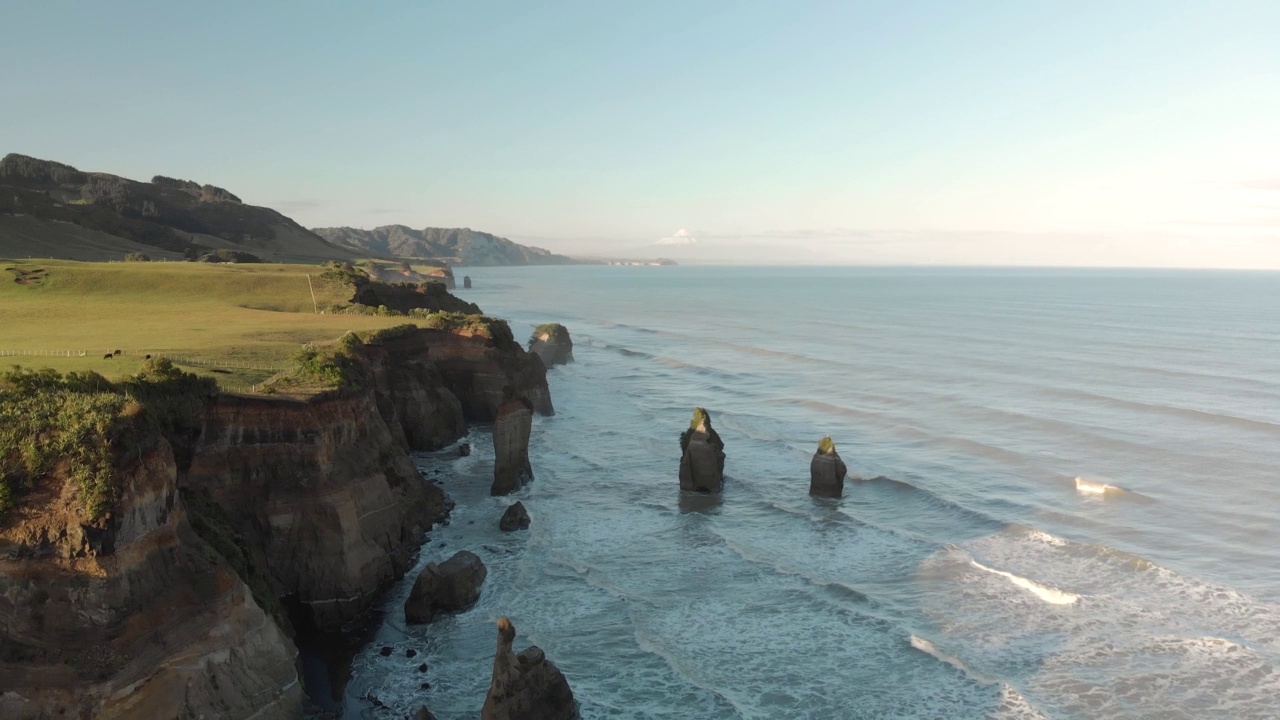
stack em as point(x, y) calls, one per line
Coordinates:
point(238, 323)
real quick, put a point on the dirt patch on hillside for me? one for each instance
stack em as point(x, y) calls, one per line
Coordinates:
point(28, 277)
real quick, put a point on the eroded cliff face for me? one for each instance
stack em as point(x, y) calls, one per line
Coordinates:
point(476, 368)
point(133, 616)
point(322, 492)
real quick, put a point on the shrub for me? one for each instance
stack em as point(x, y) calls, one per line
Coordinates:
point(137, 257)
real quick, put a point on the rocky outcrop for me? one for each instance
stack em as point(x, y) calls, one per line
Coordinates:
point(322, 492)
point(477, 366)
point(511, 469)
point(702, 456)
point(421, 412)
point(134, 616)
point(552, 343)
point(826, 471)
point(466, 282)
point(450, 586)
point(515, 518)
point(526, 686)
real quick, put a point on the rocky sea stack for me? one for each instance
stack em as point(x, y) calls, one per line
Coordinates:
point(702, 459)
point(511, 469)
point(826, 471)
point(466, 282)
point(515, 518)
point(552, 343)
point(526, 686)
point(450, 586)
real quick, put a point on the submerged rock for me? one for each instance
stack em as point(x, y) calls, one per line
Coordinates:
point(511, 469)
point(826, 471)
point(527, 686)
point(515, 518)
point(552, 343)
point(450, 586)
point(702, 459)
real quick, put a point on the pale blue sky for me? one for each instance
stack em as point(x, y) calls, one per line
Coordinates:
point(1114, 133)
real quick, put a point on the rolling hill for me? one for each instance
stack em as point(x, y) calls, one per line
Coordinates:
point(48, 209)
point(459, 246)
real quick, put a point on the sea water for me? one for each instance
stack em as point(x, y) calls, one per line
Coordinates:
point(1063, 499)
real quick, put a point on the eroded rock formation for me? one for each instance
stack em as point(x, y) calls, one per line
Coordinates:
point(702, 456)
point(449, 586)
point(526, 686)
point(826, 470)
point(515, 518)
point(466, 282)
point(133, 616)
point(552, 343)
point(511, 469)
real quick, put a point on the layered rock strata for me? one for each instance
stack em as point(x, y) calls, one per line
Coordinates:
point(526, 686)
point(133, 616)
point(826, 471)
point(450, 586)
point(511, 469)
point(702, 456)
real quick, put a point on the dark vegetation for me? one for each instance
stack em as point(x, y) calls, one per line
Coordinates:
point(84, 423)
point(137, 257)
point(374, 297)
point(230, 256)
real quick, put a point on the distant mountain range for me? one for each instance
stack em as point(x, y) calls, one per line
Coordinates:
point(459, 246)
point(48, 209)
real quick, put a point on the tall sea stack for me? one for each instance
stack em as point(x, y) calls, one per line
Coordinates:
point(511, 469)
point(702, 459)
point(552, 343)
point(527, 686)
point(826, 471)
point(466, 282)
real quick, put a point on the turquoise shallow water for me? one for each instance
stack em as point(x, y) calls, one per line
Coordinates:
point(1068, 505)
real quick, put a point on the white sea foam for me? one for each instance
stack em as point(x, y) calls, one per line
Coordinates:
point(929, 648)
point(1051, 595)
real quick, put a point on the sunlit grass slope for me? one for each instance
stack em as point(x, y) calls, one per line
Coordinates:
point(232, 315)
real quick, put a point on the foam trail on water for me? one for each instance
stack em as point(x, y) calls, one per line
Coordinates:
point(929, 648)
point(1051, 595)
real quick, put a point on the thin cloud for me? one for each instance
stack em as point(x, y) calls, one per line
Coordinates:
point(383, 211)
point(296, 205)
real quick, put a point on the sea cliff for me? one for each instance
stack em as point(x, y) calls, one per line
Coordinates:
point(171, 602)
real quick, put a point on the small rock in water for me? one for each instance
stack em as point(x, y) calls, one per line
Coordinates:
point(425, 686)
point(385, 651)
point(410, 652)
point(442, 544)
point(464, 449)
point(422, 668)
point(515, 518)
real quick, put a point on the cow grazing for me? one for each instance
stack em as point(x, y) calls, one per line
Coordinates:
point(108, 356)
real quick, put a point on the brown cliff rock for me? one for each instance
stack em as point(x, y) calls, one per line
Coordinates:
point(702, 456)
point(515, 518)
point(552, 343)
point(133, 616)
point(322, 492)
point(526, 686)
point(449, 586)
point(826, 471)
point(511, 469)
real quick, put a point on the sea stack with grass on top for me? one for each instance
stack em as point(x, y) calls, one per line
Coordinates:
point(526, 686)
point(552, 343)
point(511, 469)
point(826, 470)
point(702, 458)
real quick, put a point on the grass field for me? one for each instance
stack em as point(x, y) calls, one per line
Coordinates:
point(241, 322)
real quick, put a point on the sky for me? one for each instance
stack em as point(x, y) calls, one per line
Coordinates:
point(1135, 133)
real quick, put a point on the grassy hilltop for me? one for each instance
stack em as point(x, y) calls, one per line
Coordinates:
point(247, 321)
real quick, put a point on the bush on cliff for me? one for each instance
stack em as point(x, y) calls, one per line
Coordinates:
point(496, 330)
point(79, 423)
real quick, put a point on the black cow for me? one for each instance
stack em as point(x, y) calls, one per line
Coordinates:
point(108, 356)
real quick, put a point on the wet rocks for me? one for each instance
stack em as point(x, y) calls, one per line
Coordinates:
point(702, 458)
point(449, 586)
point(526, 686)
point(552, 343)
point(826, 471)
point(515, 518)
point(511, 469)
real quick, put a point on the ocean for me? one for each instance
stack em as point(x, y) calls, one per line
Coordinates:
point(1063, 499)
